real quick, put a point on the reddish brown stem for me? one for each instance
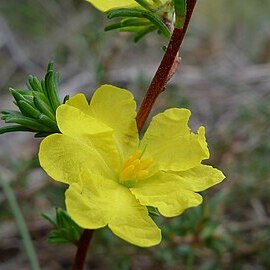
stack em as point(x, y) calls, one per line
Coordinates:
point(82, 249)
point(166, 68)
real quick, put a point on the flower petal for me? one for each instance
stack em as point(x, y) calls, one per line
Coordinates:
point(64, 158)
point(164, 191)
point(105, 5)
point(170, 143)
point(200, 177)
point(98, 201)
point(116, 108)
point(75, 123)
point(80, 102)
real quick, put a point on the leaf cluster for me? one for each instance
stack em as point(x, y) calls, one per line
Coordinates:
point(65, 229)
point(148, 18)
point(37, 106)
point(141, 21)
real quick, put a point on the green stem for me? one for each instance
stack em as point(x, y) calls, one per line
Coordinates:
point(17, 213)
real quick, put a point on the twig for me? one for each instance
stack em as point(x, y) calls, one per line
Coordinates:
point(166, 68)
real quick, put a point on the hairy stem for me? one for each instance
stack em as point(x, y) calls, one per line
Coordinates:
point(166, 69)
point(82, 249)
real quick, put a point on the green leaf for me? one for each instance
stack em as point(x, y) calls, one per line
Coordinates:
point(18, 97)
point(65, 229)
point(49, 218)
point(137, 13)
point(127, 23)
point(28, 110)
point(14, 128)
point(42, 134)
point(27, 122)
point(43, 107)
point(52, 89)
point(34, 84)
point(49, 123)
point(5, 112)
point(50, 66)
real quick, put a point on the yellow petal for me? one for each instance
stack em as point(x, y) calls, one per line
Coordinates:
point(170, 143)
point(200, 178)
point(80, 102)
point(97, 202)
point(84, 208)
point(164, 191)
point(115, 107)
point(105, 5)
point(64, 158)
point(74, 123)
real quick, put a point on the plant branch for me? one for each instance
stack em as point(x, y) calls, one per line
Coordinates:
point(166, 69)
point(83, 245)
point(164, 73)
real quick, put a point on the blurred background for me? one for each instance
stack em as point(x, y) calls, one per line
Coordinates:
point(224, 79)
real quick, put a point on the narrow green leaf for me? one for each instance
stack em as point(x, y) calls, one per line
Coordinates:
point(133, 29)
point(24, 92)
point(126, 12)
point(49, 218)
point(14, 128)
point(10, 112)
point(45, 120)
point(52, 89)
point(44, 89)
point(28, 110)
point(60, 218)
point(42, 134)
point(42, 97)
point(27, 122)
point(44, 108)
point(17, 96)
point(50, 66)
point(34, 84)
point(56, 237)
point(127, 23)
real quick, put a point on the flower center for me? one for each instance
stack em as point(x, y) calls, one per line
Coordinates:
point(134, 168)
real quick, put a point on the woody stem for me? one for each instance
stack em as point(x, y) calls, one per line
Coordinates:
point(82, 248)
point(166, 69)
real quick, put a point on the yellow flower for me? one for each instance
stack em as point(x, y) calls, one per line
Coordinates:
point(105, 5)
point(113, 175)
